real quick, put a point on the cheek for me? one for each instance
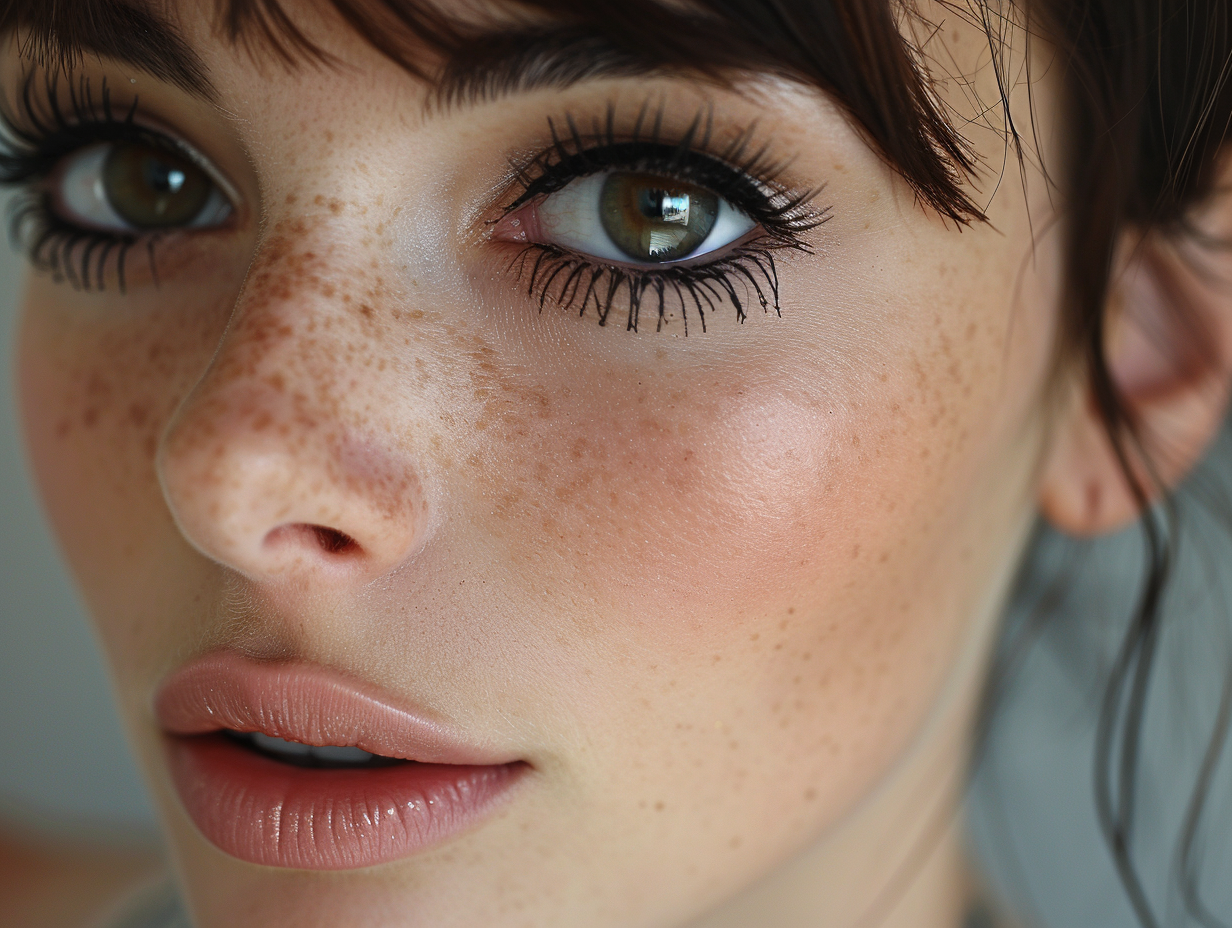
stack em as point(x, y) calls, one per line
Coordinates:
point(646, 490)
point(99, 379)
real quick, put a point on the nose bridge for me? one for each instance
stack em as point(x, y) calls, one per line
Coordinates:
point(276, 464)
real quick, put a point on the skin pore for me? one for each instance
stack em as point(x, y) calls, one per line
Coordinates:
point(728, 595)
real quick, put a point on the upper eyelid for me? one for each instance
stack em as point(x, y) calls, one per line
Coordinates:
point(164, 136)
point(733, 172)
point(43, 113)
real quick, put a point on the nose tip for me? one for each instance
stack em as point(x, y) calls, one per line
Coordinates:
point(274, 503)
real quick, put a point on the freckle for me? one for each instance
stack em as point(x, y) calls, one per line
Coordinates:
point(335, 207)
point(138, 414)
point(791, 610)
point(329, 136)
point(736, 842)
point(292, 199)
point(810, 794)
point(754, 637)
point(90, 417)
point(659, 806)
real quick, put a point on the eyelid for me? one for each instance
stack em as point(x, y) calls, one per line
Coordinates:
point(158, 134)
point(56, 129)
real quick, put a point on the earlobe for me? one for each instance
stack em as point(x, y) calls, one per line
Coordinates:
point(1169, 357)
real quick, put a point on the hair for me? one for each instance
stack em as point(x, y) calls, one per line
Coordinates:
point(1149, 102)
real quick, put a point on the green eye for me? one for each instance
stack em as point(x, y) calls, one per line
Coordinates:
point(153, 189)
point(651, 219)
point(641, 218)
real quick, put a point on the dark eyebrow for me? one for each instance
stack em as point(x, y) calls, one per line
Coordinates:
point(122, 32)
point(493, 62)
point(504, 62)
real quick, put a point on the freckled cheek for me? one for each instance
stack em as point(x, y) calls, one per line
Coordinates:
point(98, 385)
point(676, 507)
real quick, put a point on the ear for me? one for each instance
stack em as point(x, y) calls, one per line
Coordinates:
point(1169, 354)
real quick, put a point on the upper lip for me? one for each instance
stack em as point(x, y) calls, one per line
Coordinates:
point(298, 701)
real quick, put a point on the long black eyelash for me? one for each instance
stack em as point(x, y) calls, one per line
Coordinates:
point(743, 174)
point(35, 139)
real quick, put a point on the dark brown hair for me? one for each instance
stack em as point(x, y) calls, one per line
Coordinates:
point(1149, 103)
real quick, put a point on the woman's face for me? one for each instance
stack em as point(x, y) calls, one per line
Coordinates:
point(686, 600)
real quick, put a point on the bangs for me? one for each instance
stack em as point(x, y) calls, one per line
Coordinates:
point(852, 50)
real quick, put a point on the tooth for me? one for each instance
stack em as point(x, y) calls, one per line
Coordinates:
point(278, 746)
point(336, 754)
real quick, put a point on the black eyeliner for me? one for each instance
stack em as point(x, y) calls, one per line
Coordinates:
point(36, 139)
point(741, 173)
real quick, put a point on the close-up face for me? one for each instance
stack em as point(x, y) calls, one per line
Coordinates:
point(634, 461)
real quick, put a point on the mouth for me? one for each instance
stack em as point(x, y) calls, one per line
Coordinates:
point(292, 765)
point(316, 756)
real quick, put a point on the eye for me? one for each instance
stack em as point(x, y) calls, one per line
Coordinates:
point(136, 187)
point(638, 217)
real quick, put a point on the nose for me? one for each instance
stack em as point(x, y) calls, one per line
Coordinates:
point(276, 464)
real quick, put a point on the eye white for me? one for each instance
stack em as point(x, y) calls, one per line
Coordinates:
point(570, 218)
point(81, 195)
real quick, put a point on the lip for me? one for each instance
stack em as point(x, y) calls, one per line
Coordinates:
point(268, 812)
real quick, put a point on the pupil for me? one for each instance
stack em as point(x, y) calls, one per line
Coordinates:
point(664, 207)
point(154, 189)
point(164, 178)
point(653, 221)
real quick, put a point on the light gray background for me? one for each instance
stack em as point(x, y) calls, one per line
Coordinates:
point(64, 764)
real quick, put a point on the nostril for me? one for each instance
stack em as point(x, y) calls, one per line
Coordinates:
point(321, 537)
point(333, 541)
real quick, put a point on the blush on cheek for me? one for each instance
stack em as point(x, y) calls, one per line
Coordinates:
point(667, 509)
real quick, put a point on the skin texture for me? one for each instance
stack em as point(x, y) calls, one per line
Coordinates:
point(729, 595)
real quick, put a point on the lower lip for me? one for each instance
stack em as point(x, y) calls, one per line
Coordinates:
point(279, 815)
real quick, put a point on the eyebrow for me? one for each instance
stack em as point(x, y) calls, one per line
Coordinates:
point(124, 33)
point(494, 62)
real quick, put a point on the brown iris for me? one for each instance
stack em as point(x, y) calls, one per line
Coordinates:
point(151, 188)
point(655, 219)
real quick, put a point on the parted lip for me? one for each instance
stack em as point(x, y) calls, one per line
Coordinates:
point(304, 702)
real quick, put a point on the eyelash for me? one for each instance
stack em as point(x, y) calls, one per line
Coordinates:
point(741, 173)
point(35, 142)
point(43, 134)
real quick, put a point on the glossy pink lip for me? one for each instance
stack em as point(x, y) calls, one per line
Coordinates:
point(268, 812)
